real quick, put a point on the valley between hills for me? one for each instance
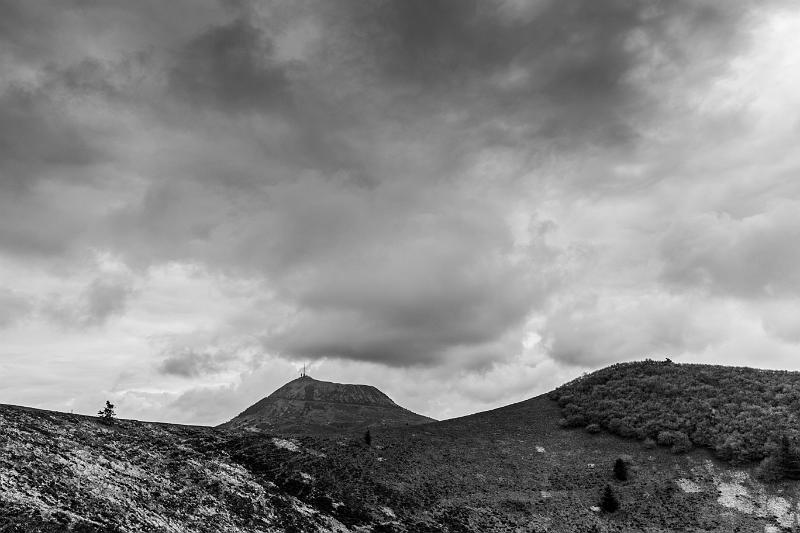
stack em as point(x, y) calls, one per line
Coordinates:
point(541, 465)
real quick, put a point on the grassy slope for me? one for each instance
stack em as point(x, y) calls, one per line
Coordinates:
point(511, 469)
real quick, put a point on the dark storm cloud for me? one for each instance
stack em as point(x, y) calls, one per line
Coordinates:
point(41, 141)
point(754, 256)
point(98, 302)
point(231, 67)
point(372, 166)
point(344, 211)
point(188, 363)
point(403, 311)
point(559, 71)
point(36, 136)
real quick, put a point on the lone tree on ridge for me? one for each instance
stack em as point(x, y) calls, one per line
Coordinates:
point(107, 414)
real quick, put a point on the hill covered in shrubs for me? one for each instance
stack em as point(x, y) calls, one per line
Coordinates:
point(742, 414)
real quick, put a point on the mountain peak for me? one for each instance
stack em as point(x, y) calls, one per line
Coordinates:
point(306, 388)
point(309, 405)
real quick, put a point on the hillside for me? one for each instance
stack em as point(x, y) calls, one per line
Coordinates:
point(62, 472)
point(515, 468)
point(306, 405)
point(742, 414)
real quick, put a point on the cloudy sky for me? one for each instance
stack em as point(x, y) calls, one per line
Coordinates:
point(463, 203)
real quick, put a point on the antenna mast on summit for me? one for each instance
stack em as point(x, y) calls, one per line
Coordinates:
point(303, 372)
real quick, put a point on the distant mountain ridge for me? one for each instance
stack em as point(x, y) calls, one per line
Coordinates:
point(307, 405)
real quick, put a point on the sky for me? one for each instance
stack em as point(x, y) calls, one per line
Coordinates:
point(463, 203)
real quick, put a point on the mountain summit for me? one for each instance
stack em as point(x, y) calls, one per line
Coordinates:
point(307, 405)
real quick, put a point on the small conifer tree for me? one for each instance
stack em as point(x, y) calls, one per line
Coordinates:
point(609, 502)
point(368, 438)
point(107, 414)
point(620, 470)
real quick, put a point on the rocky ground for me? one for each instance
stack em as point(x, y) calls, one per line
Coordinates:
point(61, 472)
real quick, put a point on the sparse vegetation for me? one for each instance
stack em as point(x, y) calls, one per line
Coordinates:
point(739, 413)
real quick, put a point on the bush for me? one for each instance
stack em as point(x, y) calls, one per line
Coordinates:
point(731, 449)
point(782, 463)
point(574, 421)
point(681, 442)
point(665, 438)
point(769, 470)
point(593, 428)
point(789, 459)
point(609, 502)
point(649, 443)
point(620, 470)
point(368, 438)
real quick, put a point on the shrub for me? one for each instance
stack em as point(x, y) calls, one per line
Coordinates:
point(769, 470)
point(665, 438)
point(368, 438)
point(593, 428)
point(575, 421)
point(626, 430)
point(620, 470)
point(731, 448)
point(649, 443)
point(783, 462)
point(788, 459)
point(681, 442)
point(609, 502)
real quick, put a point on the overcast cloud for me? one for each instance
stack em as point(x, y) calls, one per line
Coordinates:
point(463, 203)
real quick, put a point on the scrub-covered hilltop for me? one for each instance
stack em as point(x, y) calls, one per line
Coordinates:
point(742, 414)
